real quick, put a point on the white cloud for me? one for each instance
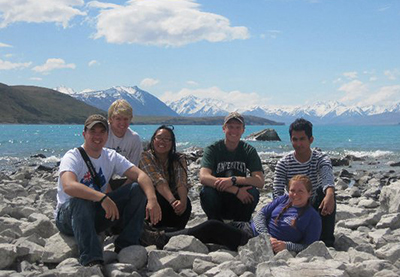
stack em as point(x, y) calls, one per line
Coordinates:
point(57, 11)
point(35, 78)
point(386, 96)
point(273, 34)
point(149, 82)
point(353, 90)
point(162, 23)
point(4, 45)
point(93, 62)
point(392, 74)
point(6, 65)
point(350, 75)
point(52, 64)
point(192, 83)
point(237, 98)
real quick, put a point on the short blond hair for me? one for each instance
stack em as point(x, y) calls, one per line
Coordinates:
point(120, 107)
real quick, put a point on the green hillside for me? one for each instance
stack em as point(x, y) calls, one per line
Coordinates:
point(37, 105)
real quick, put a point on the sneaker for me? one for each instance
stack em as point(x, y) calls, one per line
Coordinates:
point(156, 238)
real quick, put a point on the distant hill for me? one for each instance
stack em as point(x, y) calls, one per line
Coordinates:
point(37, 105)
point(212, 120)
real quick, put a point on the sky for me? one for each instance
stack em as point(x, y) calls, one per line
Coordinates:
point(245, 52)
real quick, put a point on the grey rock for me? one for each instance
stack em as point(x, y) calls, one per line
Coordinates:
point(248, 274)
point(135, 255)
point(39, 224)
point(176, 260)
point(8, 253)
point(187, 273)
point(369, 268)
point(316, 249)
point(391, 221)
point(283, 255)
point(314, 268)
point(265, 135)
point(390, 198)
point(226, 273)
point(165, 272)
point(186, 243)
point(219, 257)
point(354, 192)
point(58, 248)
point(256, 251)
point(28, 250)
point(369, 220)
point(368, 203)
point(201, 266)
point(343, 242)
point(389, 252)
point(236, 266)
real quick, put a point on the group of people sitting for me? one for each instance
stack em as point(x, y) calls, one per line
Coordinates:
point(151, 204)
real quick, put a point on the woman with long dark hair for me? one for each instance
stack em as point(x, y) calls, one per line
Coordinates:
point(168, 171)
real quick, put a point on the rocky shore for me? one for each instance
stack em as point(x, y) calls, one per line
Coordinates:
point(367, 231)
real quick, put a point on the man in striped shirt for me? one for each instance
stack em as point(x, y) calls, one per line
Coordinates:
point(318, 167)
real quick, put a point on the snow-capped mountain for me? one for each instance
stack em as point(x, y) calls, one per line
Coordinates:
point(197, 107)
point(318, 113)
point(142, 102)
point(331, 113)
point(65, 90)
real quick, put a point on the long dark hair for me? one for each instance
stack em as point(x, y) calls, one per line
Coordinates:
point(307, 183)
point(172, 154)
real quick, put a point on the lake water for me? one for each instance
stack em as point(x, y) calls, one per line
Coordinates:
point(19, 142)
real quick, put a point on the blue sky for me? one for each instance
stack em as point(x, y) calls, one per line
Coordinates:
point(246, 52)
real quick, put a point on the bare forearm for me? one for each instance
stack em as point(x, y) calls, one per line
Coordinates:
point(165, 191)
point(250, 181)
point(147, 186)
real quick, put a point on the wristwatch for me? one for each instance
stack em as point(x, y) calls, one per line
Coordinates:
point(233, 179)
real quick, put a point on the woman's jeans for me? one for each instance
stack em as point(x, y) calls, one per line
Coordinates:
point(84, 219)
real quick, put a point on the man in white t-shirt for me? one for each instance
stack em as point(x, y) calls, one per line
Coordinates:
point(85, 207)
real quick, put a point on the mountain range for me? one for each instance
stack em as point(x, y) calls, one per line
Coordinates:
point(145, 104)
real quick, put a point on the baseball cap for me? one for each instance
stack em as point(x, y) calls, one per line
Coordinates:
point(95, 119)
point(234, 115)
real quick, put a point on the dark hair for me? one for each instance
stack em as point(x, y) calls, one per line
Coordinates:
point(308, 185)
point(301, 124)
point(172, 154)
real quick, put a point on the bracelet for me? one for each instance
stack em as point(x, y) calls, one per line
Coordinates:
point(102, 199)
point(237, 192)
point(172, 201)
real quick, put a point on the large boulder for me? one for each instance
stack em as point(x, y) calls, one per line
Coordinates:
point(266, 134)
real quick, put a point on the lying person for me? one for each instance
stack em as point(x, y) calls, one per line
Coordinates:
point(290, 221)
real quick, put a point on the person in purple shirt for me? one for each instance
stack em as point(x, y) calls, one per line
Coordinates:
point(290, 221)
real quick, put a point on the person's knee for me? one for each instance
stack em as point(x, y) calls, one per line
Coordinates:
point(82, 207)
point(209, 197)
point(136, 193)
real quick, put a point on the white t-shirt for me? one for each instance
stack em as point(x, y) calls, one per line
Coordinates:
point(129, 146)
point(109, 163)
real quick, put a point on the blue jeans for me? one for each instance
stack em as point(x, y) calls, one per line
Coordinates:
point(224, 205)
point(84, 219)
